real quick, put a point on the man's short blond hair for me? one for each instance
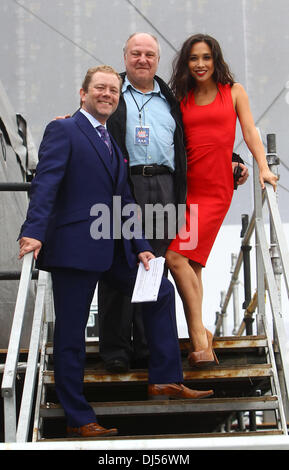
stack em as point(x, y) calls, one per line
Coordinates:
point(100, 68)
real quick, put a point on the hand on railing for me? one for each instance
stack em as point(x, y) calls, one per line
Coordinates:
point(27, 245)
point(266, 175)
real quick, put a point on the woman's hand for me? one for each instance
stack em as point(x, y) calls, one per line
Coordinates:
point(245, 173)
point(266, 175)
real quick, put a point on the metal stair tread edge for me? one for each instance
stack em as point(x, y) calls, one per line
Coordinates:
point(218, 372)
point(171, 436)
point(219, 342)
point(265, 402)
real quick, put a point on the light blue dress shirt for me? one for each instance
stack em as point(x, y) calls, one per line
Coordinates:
point(155, 113)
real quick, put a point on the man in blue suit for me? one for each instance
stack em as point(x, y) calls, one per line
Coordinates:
point(80, 166)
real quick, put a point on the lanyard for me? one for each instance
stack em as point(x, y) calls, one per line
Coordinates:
point(139, 109)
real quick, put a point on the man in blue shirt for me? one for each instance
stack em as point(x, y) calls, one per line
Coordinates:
point(148, 129)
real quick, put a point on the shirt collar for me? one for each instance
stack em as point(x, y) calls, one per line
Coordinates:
point(92, 120)
point(156, 90)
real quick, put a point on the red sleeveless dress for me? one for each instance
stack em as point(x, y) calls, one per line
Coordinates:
point(209, 135)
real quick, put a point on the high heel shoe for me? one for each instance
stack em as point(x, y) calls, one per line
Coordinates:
point(204, 357)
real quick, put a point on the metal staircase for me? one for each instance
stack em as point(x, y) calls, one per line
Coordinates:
point(241, 383)
point(252, 376)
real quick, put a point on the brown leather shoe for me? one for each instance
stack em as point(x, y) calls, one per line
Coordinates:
point(90, 430)
point(175, 392)
point(205, 357)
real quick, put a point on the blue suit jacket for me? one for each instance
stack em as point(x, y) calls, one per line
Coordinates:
point(73, 174)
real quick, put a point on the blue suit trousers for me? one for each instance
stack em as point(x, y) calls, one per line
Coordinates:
point(73, 292)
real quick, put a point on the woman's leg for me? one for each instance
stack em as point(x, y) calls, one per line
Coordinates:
point(188, 278)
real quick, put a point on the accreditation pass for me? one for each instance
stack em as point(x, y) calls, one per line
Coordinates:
point(142, 135)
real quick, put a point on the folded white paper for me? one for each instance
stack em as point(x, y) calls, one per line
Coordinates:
point(148, 283)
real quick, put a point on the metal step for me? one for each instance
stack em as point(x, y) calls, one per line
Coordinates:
point(209, 405)
point(170, 436)
point(222, 343)
point(216, 372)
point(241, 378)
point(232, 342)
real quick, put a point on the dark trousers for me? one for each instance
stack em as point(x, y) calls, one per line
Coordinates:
point(73, 292)
point(121, 330)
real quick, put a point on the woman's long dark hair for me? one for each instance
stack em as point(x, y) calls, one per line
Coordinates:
point(182, 82)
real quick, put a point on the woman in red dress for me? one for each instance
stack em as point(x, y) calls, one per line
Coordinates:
point(210, 103)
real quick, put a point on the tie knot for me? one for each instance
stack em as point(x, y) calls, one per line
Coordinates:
point(102, 129)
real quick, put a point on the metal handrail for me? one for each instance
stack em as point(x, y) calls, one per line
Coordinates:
point(235, 273)
point(8, 186)
point(10, 370)
point(32, 361)
point(18, 431)
point(275, 304)
point(264, 270)
point(282, 245)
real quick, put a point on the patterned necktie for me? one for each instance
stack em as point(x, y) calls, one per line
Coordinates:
point(105, 137)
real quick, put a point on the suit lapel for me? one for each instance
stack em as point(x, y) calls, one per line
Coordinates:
point(86, 127)
point(92, 135)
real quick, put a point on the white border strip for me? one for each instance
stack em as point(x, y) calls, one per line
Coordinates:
point(269, 442)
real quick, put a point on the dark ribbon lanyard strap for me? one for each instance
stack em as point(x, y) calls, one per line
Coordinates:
point(139, 109)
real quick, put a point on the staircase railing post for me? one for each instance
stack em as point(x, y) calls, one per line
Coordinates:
point(273, 163)
point(246, 248)
point(235, 295)
point(223, 314)
point(260, 273)
point(32, 361)
point(10, 370)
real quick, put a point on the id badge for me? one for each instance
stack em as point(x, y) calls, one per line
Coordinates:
point(142, 135)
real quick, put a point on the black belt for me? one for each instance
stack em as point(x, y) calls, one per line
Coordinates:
point(149, 170)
